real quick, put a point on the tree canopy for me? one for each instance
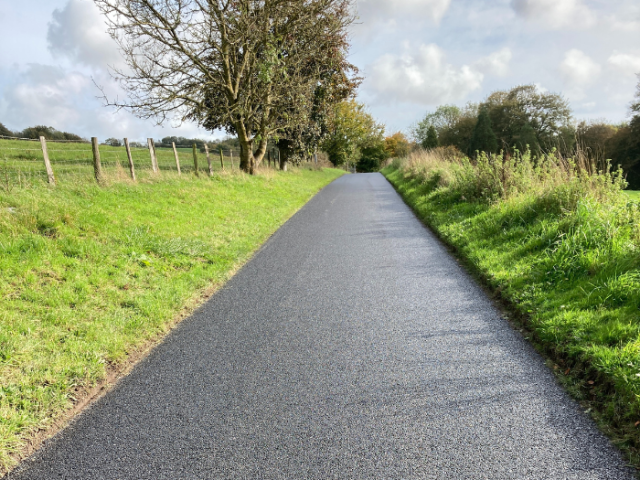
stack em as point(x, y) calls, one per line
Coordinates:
point(520, 118)
point(518, 112)
point(431, 140)
point(351, 129)
point(397, 145)
point(483, 138)
point(250, 67)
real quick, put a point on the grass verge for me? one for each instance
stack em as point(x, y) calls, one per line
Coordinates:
point(90, 275)
point(559, 243)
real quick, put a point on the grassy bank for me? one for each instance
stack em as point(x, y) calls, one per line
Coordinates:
point(88, 275)
point(559, 242)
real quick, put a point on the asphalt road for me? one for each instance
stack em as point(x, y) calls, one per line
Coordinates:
point(351, 346)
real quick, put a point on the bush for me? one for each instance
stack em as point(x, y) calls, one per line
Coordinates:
point(371, 158)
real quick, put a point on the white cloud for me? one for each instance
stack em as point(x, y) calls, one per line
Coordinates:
point(495, 64)
point(44, 95)
point(78, 32)
point(626, 18)
point(426, 78)
point(374, 12)
point(578, 69)
point(556, 14)
point(625, 62)
point(66, 100)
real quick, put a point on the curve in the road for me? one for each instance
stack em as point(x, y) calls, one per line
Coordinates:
point(351, 346)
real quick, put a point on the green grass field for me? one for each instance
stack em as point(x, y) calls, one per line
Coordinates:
point(89, 274)
point(563, 254)
point(633, 194)
point(21, 161)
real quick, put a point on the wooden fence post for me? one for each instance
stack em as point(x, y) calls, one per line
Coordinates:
point(175, 154)
point(231, 156)
point(130, 158)
point(152, 153)
point(221, 159)
point(206, 151)
point(195, 158)
point(47, 164)
point(97, 166)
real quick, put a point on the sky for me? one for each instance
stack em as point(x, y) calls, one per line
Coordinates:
point(414, 55)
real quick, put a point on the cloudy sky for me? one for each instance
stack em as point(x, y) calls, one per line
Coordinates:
point(414, 54)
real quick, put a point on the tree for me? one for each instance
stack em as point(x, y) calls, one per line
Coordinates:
point(371, 157)
point(431, 140)
point(397, 145)
point(350, 129)
point(453, 125)
point(526, 139)
point(592, 138)
point(445, 117)
point(249, 67)
point(113, 142)
point(483, 139)
point(624, 146)
point(301, 140)
point(5, 132)
point(510, 111)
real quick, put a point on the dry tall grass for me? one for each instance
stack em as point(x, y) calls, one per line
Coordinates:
point(493, 177)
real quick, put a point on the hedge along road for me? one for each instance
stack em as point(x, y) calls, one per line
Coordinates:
point(351, 346)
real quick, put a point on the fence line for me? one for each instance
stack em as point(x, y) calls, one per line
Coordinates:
point(61, 158)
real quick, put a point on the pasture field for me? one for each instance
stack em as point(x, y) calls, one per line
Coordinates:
point(633, 194)
point(21, 161)
point(560, 247)
point(91, 276)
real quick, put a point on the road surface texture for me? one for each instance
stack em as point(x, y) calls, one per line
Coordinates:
point(351, 346)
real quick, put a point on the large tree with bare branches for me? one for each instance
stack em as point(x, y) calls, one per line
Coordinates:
point(250, 67)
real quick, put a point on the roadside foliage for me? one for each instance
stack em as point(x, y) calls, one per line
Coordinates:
point(558, 239)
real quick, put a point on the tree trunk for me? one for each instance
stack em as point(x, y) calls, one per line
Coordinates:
point(260, 152)
point(247, 160)
point(247, 157)
point(283, 156)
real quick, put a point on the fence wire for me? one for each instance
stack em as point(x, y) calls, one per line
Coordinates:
point(22, 160)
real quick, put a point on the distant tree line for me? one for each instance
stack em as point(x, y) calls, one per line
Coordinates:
point(50, 133)
point(525, 118)
point(38, 131)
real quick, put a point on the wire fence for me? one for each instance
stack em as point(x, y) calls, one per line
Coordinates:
point(23, 161)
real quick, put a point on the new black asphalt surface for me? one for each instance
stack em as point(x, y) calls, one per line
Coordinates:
point(352, 346)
